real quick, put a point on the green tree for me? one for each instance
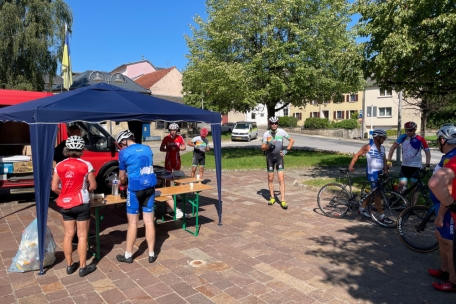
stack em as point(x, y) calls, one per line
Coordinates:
point(411, 45)
point(31, 41)
point(271, 52)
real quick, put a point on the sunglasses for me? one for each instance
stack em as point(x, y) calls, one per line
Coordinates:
point(413, 130)
point(274, 123)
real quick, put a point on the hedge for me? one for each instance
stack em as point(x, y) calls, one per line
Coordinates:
point(288, 121)
point(316, 123)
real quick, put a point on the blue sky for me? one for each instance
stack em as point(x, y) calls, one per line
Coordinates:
point(108, 33)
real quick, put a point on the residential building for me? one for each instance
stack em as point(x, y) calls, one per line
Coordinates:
point(259, 114)
point(134, 70)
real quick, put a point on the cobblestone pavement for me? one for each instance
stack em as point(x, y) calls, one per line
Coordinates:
point(261, 254)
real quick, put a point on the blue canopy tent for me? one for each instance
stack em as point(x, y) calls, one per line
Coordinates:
point(94, 104)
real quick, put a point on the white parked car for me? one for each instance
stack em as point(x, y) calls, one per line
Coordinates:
point(228, 126)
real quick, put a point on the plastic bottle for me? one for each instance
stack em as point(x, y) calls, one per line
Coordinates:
point(115, 186)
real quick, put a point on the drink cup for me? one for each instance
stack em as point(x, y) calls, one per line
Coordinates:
point(197, 176)
point(191, 185)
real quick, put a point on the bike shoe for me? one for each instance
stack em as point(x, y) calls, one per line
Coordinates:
point(152, 258)
point(445, 286)
point(439, 273)
point(364, 212)
point(122, 258)
point(86, 270)
point(72, 268)
point(271, 201)
point(386, 220)
point(283, 205)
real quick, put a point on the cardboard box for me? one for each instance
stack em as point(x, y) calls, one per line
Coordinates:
point(23, 167)
point(6, 168)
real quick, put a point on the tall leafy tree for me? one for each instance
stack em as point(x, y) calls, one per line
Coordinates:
point(31, 41)
point(271, 52)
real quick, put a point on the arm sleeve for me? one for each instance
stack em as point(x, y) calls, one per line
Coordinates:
point(401, 139)
point(451, 164)
point(121, 161)
point(423, 143)
point(265, 138)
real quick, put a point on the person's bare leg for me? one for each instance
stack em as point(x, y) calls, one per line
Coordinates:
point(193, 171)
point(271, 183)
point(82, 242)
point(170, 203)
point(281, 175)
point(68, 235)
point(132, 231)
point(148, 218)
point(201, 172)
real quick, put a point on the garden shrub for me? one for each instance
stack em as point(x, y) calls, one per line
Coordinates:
point(316, 123)
point(288, 121)
point(349, 124)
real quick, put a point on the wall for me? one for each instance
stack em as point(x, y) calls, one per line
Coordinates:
point(341, 133)
point(137, 69)
point(169, 85)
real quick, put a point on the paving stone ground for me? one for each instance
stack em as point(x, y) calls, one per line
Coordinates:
point(261, 254)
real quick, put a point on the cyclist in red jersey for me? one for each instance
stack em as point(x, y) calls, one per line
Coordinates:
point(172, 144)
point(440, 184)
point(72, 180)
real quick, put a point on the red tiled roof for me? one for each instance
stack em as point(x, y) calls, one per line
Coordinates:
point(148, 80)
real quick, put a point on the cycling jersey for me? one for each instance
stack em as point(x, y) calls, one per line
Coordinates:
point(411, 149)
point(449, 161)
point(73, 173)
point(375, 159)
point(172, 159)
point(275, 139)
point(137, 160)
point(200, 144)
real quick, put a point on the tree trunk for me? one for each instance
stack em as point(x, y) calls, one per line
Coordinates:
point(271, 111)
point(424, 117)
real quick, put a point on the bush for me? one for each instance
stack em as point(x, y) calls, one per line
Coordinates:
point(288, 121)
point(316, 123)
point(345, 124)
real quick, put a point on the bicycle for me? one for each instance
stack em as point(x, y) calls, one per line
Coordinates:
point(335, 200)
point(419, 188)
point(413, 228)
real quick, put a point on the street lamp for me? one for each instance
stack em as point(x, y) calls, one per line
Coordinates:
point(116, 78)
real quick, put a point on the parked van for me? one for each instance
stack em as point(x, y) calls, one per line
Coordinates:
point(17, 176)
point(244, 130)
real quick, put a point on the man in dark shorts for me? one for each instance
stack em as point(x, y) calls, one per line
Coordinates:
point(273, 147)
point(200, 144)
point(136, 160)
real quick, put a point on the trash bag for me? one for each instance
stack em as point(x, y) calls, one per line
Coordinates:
point(27, 257)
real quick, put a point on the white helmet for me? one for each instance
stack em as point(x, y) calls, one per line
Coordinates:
point(379, 132)
point(173, 126)
point(448, 131)
point(75, 143)
point(125, 134)
point(273, 120)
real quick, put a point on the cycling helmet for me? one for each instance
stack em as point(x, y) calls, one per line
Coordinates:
point(75, 143)
point(204, 132)
point(125, 134)
point(173, 126)
point(379, 132)
point(448, 132)
point(273, 120)
point(410, 125)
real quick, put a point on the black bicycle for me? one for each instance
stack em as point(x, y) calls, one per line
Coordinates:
point(418, 193)
point(335, 200)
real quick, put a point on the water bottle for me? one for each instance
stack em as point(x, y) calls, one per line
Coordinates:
point(115, 186)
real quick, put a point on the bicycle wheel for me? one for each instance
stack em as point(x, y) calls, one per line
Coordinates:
point(415, 231)
point(386, 205)
point(333, 200)
point(417, 198)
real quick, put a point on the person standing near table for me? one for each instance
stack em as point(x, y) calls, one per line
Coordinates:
point(136, 160)
point(76, 179)
point(273, 147)
point(200, 144)
point(172, 144)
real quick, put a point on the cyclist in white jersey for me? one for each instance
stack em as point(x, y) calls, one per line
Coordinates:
point(376, 162)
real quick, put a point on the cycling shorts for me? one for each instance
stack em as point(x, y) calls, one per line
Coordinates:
point(373, 178)
point(274, 162)
point(79, 213)
point(447, 230)
point(199, 159)
point(172, 162)
point(144, 198)
point(409, 172)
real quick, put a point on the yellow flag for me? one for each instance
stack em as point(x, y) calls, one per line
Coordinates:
point(66, 62)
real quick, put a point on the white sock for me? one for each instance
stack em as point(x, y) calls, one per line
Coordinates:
point(361, 209)
point(128, 255)
point(151, 254)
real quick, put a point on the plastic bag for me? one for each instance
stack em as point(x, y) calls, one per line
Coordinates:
point(27, 257)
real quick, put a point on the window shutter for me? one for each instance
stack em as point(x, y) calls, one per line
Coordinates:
point(334, 114)
point(318, 114)
point(310, 114)
point(347, 98)
point(356, 97)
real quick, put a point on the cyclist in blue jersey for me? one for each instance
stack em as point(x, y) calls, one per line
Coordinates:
point(444, 222)
point(412, 145)
point(376, 162)
point(136, 160)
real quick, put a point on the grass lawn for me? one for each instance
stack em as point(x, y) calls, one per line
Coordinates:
point(251, 158)
point(357, 181)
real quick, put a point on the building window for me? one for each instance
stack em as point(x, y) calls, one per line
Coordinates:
point(384, 112)
point(285, 112)
point(353, 97)
point(298, 116)
point(326, 114)
point(159, 124)
point(262, 115)
point(314, 114)
point(252, 116)
point(386, 92)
